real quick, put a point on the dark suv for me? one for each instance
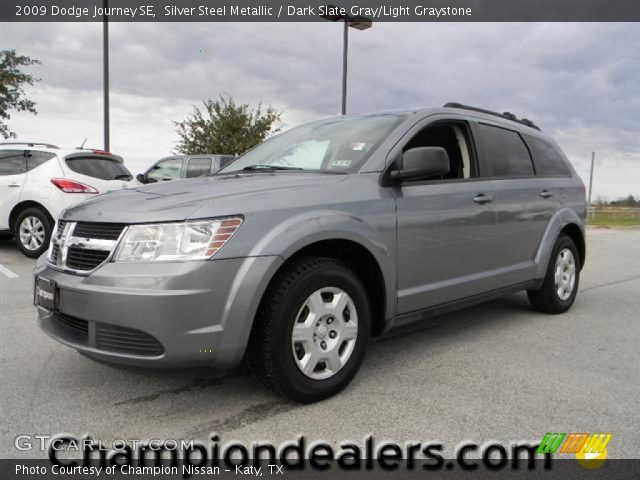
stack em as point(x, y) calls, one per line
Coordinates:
point(304, 247)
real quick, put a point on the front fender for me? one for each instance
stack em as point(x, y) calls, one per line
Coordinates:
point(560, 219)
point(302, 230)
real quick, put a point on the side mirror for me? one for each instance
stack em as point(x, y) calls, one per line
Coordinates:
point(141, 177)
point(422, 162)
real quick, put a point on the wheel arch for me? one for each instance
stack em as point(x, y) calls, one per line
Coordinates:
point(22, 206)
point(362, 262)
point(575, 233)
point(564, 221)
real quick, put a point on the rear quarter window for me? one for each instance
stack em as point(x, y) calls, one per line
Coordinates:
point(505, 153)
point(547, 159)
point(98, 167)
point(35, 159)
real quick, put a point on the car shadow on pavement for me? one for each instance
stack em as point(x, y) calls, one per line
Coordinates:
point(492, 315)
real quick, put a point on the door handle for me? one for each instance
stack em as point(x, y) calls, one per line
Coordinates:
point(546, 194)
point(483, 198)
point(13, 185)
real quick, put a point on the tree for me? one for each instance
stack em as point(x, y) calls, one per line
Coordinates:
point(225, 127)
point(12, 82)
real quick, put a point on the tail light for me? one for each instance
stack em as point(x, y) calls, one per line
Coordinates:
point(71, 186)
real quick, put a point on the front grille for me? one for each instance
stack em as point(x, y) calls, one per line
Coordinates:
point(72, 328)
point(101, 231)
point(110, 338)
point(85, 259)
point(126, 340)
point(55, 251)
point(61, 224)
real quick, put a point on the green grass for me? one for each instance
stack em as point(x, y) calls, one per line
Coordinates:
point(615, 219)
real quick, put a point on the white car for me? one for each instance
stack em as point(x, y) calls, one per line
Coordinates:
point(38, 181)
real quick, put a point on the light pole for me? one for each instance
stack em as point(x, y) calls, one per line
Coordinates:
point(593, 161)
point(358, 22)
point(105, 74)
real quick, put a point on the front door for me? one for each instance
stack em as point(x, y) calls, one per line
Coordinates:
point(446, 225)
point(445, 242)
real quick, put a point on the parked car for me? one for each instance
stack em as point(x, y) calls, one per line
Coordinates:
point(184, 166)
point(304, 247)
point(39, 180)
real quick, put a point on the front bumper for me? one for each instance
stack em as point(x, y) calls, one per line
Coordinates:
point(194, 313)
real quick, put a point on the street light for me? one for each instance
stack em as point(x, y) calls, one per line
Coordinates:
point(358, 22)
point(105, 75)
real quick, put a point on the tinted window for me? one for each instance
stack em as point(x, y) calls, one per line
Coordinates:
point(197, 167)
point(166, 170)
point(12, 162)
point(505, 153)
point(224, 161)
point(101, 168)
point(35, 159)
point(548, 160)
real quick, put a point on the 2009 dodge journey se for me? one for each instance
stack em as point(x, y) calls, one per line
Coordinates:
point(298, 251)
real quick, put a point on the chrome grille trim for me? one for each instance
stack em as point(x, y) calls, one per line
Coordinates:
point(65, 238)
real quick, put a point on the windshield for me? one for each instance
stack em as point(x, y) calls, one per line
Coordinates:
point(340, 145)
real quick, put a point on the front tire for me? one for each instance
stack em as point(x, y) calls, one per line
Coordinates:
point(32, 232)
point(311, 330)
point(560, 286)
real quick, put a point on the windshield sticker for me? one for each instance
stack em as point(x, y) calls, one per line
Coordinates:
point(358, 146)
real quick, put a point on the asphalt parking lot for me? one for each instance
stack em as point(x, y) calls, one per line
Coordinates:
point(495, 372)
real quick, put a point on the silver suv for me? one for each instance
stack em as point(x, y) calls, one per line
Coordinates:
point(298, 251)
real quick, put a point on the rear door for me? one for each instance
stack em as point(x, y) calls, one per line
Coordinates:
point(525, 202)
point(13, 168)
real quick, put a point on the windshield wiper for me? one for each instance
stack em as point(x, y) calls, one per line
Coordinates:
point(266, 167)
point(123, 176)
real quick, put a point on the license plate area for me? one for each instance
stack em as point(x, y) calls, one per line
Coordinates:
point(44, 294)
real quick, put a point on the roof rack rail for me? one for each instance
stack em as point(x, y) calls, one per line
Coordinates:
point(507, 115)
point(30, 144)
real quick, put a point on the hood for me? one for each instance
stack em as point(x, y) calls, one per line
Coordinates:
point(196, 198)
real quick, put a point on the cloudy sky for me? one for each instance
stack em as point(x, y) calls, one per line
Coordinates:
point(579, 82)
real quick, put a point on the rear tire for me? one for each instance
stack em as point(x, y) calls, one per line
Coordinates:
point(32, 232)
point(311, 330)
point(560, 286)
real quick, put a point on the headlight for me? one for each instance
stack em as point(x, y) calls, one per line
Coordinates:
point(192, 240)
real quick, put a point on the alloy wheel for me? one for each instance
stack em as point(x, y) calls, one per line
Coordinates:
point(31, 233)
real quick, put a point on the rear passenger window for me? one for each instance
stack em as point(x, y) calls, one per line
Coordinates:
point(35, 159)
point(12, 162)
point(197, 167)
point(505, 153)
point(547, 159)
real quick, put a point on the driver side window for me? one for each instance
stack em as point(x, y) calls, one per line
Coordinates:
point(455, 139)
point(169, 169)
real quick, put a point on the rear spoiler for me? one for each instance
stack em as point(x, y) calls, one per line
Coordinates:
point(96, 154)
